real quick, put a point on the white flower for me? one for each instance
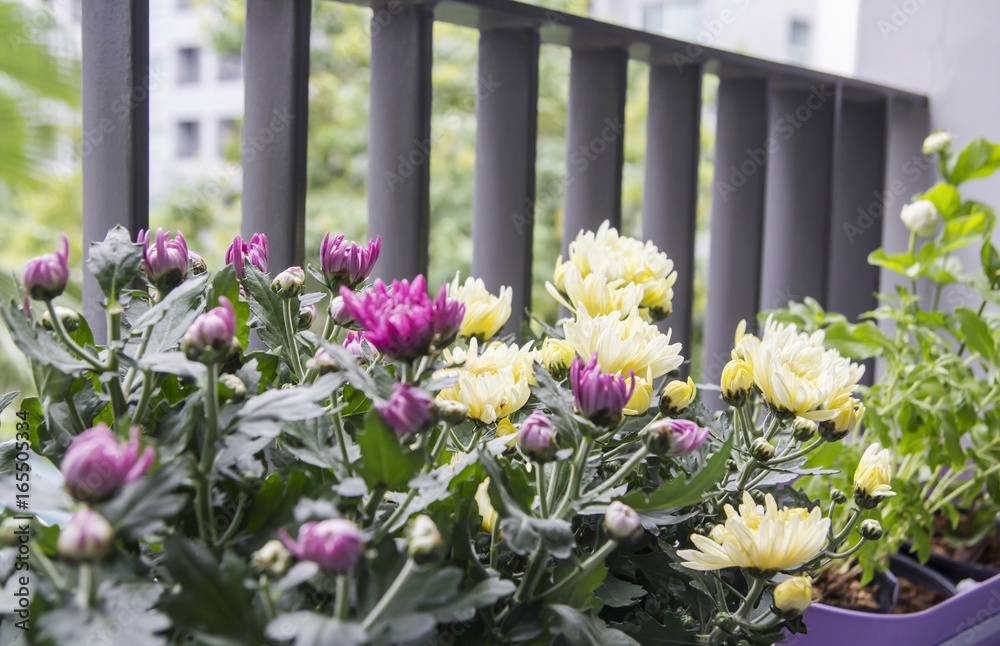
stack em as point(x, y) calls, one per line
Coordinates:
point(796, 374)
point(921, 217)
point(938, 141)
point(622, 343)
point(617, 258)
point(874, 473)
point(493, 384)
point(765, 538)
point(485, 313)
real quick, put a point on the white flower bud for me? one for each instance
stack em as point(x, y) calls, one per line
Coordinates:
point(921, 217)
point(938, 142)
point(273, 558)
point(425, 539)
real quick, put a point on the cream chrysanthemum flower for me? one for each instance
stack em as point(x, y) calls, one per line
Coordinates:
point(595, 293)
point(795, 373)
point(492, 384)
point(485, 313)
point(642, 395)
point(873, 477)
point(623, 342)
point(485, 505)
point(762, 538)
point(617, 257)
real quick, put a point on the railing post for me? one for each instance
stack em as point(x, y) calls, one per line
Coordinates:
point(399, 137)
point(595, 139)
point(275, 126)
point(737, 217)
point(503, 207)
point(670, 192)
point(115, 37)
point(797, 198)
point(856, 206)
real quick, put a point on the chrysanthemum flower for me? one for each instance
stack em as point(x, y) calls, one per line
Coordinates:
point(485, 313)
point(493, 384)
point(623, 342)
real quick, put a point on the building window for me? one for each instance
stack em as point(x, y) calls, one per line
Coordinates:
point(188, 65)
point(675, 18)
point(187, 139)
point(230, 67)
point(227, 130)
point(798, 41)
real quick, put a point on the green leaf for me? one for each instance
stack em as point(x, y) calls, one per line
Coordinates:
point(979, 159)
point(284, 405)
point(945, 198)
point(991, 264)
point(39, 345)
point(125, 615)
point(313, 629)
point(581, 594)
point(266, 306)
point(899, 263)
point(383, 461)
point(141, 506)
point(975, 332)
point(861, 341)
point(115, 262)
point(172, 316)
point(619, 594)
point(580, 629)
point(316, 444)
point(963, 230)
point(225, 283)
point(7, 398)
point(680, 491)
point(210, 599)
point(273, 505)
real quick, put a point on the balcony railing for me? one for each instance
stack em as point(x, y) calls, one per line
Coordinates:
point(806, 163)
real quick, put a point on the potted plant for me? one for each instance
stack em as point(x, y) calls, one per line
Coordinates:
point(934, 402)
point(391, 471)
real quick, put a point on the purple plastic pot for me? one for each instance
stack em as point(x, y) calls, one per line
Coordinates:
point(969, 618)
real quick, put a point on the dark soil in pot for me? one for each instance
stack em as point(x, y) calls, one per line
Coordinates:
point(843, 589)
point(920, 587)
point(978, 562)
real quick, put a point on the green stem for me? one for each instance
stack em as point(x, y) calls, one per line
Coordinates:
point(844, 555)
point(959, 490)
point(147, 391)
point(94, 362)
point(268, 601)
point(576, 476)
point(342, 601)
point(550, 496)
point(46, 567)
point(338, 429)
point(620, 474)
point(797, 454)
point(293, 348)
point(543, 503)
point(85, 585)
point(756, 589)
point(234, 523)
point(494, 545)
point(583, 569)
point(374, 500)
point(119, 405)
point(844, 533)
point(74, 414)
point(130, 375)
point(211, 396)
point(531, 574)
point(383, 604)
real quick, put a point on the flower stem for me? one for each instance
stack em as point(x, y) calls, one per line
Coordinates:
point(130, 375)
point(543, 503)
point(383, 604)
point(620, 474)
point(576, 476)
point(147, 391)
point(64, 336)
point(531, 574)
point(342, 602)
point(494, 545)
point(85, 585)
point(583, 569)
point(338, 428)
point(293, 348)
point(797, 454)
point(211, 397)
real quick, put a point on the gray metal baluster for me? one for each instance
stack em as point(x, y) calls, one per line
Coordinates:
point(737, 217)
point(399, 138)
point(275, 127)
point(670, 192)
point(116, 164)
point(796, 212)
point(595, 137)
point(503, 209)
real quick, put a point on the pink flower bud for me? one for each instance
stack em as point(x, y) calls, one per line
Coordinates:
point(622, 522)
point(212, 336)
point(599, 397)
point(96, 465)
point(345, 263)
point(536, 438)
point(254, 252)
point(333, 544)
point(674, 437)
point(409, 409)
point(45, 276)
point(86, 536)
point(165, 261)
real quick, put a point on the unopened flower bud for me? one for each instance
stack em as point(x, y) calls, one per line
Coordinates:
point(793, 595)
point(871, 529)
point(96, 465)
point(424, 537)
point(557, 356)
point(322, 362)
point(687, 621)
point(937, 142)
point(45, 276)
point(14, 531)
point(676, 397)
point(409, 409)
point(726, 622)
point(873, 477)
point(70, 319)
point(718, 533)
point(731, 465)
point(273, 558)
point(838, 496)
point(674, 437)
point(198, 266)
point(166, 261)
point(737, 380)
point(921, 217)
point(289, 283)
point(335, 544)
point(536, 439)
point(212, 336)
point(452, 412)
point(762, 450)
point(339, 313)
point(85, 536)
point(307, 316)
point(235, 384)
point(804, 429)
point(622, 522)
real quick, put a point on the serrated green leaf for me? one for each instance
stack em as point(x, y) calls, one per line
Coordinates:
point(975, 332)
point(383, 461)
point(115, 261)
point(681, 491)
